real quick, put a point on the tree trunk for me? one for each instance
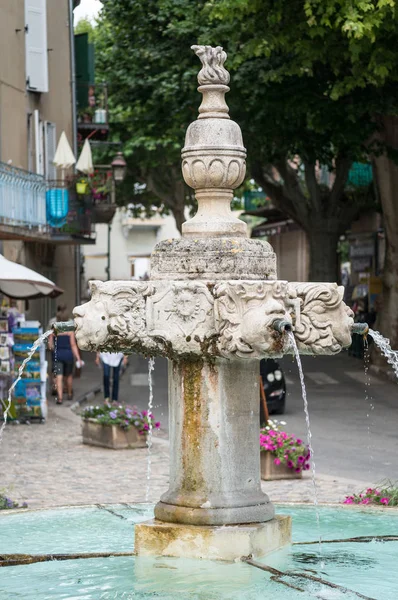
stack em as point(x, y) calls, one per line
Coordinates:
point(387, 180)
point(178, 214)
point(323, 254)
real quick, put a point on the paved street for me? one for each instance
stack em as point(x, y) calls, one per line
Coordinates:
point(47, 465)
point(354, 424)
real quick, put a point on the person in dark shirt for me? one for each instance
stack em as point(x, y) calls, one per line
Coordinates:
point(64, 350)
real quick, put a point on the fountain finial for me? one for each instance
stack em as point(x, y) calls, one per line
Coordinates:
point(213, 71)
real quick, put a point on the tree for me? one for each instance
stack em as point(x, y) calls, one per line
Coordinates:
point(149, 70)
point(143, 51)
point(355, 40)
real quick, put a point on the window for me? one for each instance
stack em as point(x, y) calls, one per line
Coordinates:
point(36, 45)
point(50, 141)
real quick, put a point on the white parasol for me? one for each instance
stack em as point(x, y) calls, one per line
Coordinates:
point(19, 282)
point(85, 162)
point(64, 157)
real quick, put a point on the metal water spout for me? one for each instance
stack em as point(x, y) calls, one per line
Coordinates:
point(63, 326)
point(213, 307)
point(360, 328)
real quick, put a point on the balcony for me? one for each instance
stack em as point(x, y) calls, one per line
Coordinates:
point(92, 111)
point(33, 209)
point(22, 204)
point(69, 215)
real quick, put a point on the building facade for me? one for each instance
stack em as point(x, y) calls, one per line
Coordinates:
point(37, 103)
point(131, 242)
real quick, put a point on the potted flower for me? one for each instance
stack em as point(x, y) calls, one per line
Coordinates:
point(283, 455)
point(117, 426)
point(81, 186)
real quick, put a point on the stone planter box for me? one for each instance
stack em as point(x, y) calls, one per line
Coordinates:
point(269, 470)
point(111, 436)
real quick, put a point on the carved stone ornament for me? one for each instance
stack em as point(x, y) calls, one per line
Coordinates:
point(244, 313)
point(114, 319)
point(213, 60)
point(230, 319)
point(322, 321)
point(181, 314)
point(213, 158)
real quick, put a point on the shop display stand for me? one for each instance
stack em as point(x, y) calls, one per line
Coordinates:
point(30, 398)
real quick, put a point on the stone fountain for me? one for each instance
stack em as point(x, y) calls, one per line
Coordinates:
point(213, 307)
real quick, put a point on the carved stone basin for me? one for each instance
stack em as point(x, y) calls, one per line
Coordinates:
point(211, 308)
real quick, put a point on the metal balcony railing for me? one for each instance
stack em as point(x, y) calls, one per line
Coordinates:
point(22, 198)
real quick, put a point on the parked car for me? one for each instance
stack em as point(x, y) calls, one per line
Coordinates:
point(274, 384)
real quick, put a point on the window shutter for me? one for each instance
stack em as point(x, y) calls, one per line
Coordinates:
point(36, 45)
point(38, 143)
point(50, 142)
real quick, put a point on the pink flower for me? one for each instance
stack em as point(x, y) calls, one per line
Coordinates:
point(277, 461)
point(299, 442)
point(290, 464)
point(365, 501)
point(385, 501)
point(369, 490)
point(157, 424)
point(349, 500)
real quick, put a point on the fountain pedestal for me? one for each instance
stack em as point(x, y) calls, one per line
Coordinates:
point(214, 308)
point(214, 421)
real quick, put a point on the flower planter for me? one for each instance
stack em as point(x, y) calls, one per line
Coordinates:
point(269, 470)
point(103, 213)
point(81, 188)
point(111, 436)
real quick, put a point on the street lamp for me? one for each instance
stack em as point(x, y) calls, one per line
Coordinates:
point(119, 168)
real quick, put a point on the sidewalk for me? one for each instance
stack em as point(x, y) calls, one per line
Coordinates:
point(47, 465)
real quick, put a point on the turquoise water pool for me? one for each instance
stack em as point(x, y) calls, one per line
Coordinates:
point(364, 568)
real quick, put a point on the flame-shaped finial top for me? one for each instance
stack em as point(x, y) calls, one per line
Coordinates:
point(212, 59)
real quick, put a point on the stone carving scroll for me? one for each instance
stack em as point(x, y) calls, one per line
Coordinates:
point(322, 321)
point(244, 313)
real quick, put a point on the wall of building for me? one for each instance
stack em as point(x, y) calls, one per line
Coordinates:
point(16, 146)
point(13, 97)
point(292, 252)
point(128, 242)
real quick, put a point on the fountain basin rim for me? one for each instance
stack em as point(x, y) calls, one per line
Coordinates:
point(364, 508)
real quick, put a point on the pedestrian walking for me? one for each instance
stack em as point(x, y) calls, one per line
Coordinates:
point(63, 356)
point(111, 360)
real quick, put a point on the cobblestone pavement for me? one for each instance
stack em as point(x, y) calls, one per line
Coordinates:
point(48, 465)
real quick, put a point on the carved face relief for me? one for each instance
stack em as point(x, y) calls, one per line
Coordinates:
point(181, 313)
point(323, 321)
point(244, 315)
point(114, 317)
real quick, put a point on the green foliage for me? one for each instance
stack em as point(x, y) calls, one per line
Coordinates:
point(7, 504)
point(307, 79)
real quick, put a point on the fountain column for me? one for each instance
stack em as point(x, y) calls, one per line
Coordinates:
point(214, 445)
point(214, 401)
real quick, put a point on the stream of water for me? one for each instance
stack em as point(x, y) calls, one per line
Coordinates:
point(309, 433)
point(151, 366)
point(383, 344)
point(33, 349)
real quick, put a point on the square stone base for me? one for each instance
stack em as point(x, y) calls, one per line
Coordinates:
point(229, 542)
